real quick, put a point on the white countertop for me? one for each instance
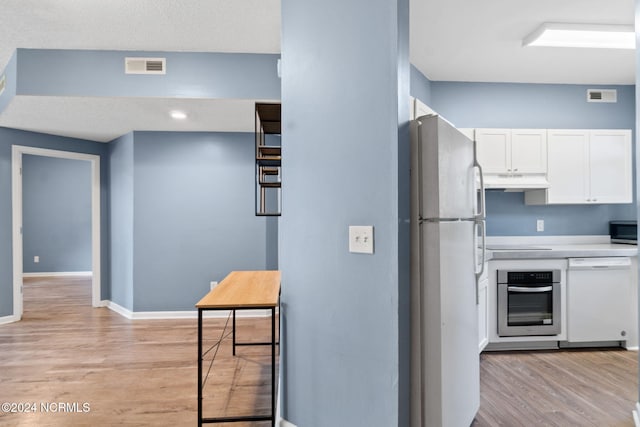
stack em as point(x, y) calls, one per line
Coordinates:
point(549, 247)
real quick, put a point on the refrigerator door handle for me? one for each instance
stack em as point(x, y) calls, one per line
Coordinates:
point(483, 247)
point(419, 166)
point(480, 210)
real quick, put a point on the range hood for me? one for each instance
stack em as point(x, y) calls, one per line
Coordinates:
point(516, 182)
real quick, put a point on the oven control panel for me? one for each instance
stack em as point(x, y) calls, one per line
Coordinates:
point(528, 277)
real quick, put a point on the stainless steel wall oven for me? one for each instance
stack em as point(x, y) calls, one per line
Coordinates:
point(528, 302)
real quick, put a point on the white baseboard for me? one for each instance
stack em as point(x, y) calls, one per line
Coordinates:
point(59, 274)
point(285, 423)
point(163, 315)
point(8, 319)
point(636, 417)
point(635, 348)
point(125, 312)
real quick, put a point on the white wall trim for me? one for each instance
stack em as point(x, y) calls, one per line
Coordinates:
point(59, 274)
point(166, 315)
point(636, 417)
point(16, 219)
point(125, 312)
point(17, 151)
point(8, 319)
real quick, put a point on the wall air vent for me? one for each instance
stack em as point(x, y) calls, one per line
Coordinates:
point(3, 79)
point(602, 95)
point(145, 65)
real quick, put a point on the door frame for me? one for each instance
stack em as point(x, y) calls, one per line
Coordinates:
point(17, 151)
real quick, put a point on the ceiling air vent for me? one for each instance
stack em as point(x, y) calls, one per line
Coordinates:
point(145, 65)
point(2, 83)
point(602, 95)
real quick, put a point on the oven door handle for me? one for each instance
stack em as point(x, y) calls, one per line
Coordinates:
point(529, 290)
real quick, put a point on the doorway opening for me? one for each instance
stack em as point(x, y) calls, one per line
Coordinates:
point(17, 212)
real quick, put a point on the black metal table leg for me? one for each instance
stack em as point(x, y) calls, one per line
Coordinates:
point(272, 343)
point(199, 367)
point(273, 366)
point(234, 332)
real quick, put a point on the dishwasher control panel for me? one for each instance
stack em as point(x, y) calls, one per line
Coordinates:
point(601, 262)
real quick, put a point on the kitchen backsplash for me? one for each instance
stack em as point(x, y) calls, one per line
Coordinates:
point(507, 215)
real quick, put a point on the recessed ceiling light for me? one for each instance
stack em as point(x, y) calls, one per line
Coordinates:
point(583, 35)
point(178, 115)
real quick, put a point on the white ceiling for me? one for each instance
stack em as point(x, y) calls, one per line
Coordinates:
point(460, 40)
point(466, 40)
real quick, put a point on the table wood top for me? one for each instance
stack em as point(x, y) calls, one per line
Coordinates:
point(244, 289)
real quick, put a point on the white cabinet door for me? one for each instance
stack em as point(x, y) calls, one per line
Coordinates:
point(610, 166)
point(587, 166)
point(483, 311)
point(529, 150)
point(494, 150)
point(568, 166)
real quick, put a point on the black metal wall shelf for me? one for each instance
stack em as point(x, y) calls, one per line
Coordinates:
point(268, 160)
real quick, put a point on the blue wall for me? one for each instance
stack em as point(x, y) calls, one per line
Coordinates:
point(507, 215)
point(182, 212)
point(56, 214)
point(133, 172)
point(345, 97)
point(191, 75)
point(9, 137)
point(542, 106)
point(6, 239)
point(512, 105)
point(121, 220)
point(420, 86)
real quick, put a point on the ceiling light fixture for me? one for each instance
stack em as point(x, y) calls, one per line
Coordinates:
point(178, 115)
point(583, 35)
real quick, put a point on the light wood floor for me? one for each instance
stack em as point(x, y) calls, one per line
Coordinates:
point(133, 373)
point(558, 388)
point(143, 373)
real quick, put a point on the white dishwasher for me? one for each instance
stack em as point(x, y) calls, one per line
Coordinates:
point(599, 294)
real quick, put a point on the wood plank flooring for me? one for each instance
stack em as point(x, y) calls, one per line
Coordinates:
point(558, 388)
point(133, 373)
point(143, 372)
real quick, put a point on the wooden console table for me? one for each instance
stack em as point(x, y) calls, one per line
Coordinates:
point(241, 290)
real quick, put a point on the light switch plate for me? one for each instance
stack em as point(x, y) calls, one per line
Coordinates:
point(361, 239)
point(540, 225)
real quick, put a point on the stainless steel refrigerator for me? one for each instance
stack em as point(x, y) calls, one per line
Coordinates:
point(447, 251)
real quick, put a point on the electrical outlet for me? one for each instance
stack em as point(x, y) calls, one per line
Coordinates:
point(36, 259)
point(361, 239)
point(540, 225)
point(212, 285)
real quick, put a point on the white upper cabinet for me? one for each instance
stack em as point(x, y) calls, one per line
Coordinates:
point(512, 151)
point(494, 150)
point(610, 166)
point(587, 166)
point(529, 150)
point(568, 166)
point(513, 158)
